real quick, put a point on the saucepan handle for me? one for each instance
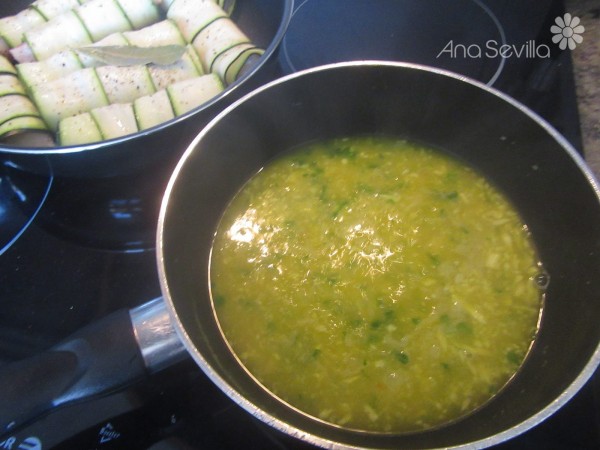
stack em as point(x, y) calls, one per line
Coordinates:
point(101, 358)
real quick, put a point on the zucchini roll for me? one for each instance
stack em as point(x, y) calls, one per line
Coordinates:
point(18, 114)
point(84, 25)
point(120, 119)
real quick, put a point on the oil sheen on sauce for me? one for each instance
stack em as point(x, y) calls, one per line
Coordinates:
point(376, 284)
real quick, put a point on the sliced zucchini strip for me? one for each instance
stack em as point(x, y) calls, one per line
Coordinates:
point(102, 17)
point(125, 84)
point(53, 8)
point(79, 129)
point(58, 65)
point(152, 110)
point(140, 13)
point(189, 94)
point(192, 16)
point(66, 30)
point(18, 114)
point(164, 32)
point(216, 38)
point(112, 39)
point(230, 64)
point(16, 105)
point(6, 66)
point(12, 28)
point(10, 84)
point(20, 125)
point(115, 120)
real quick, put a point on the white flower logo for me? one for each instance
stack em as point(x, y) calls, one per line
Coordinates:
point(567, 31)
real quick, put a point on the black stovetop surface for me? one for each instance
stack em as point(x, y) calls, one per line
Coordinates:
point(72, 251)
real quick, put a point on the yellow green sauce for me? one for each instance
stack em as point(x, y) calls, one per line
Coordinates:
point(376, 284)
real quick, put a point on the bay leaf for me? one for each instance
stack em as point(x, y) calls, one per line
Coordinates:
point(128, 55)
